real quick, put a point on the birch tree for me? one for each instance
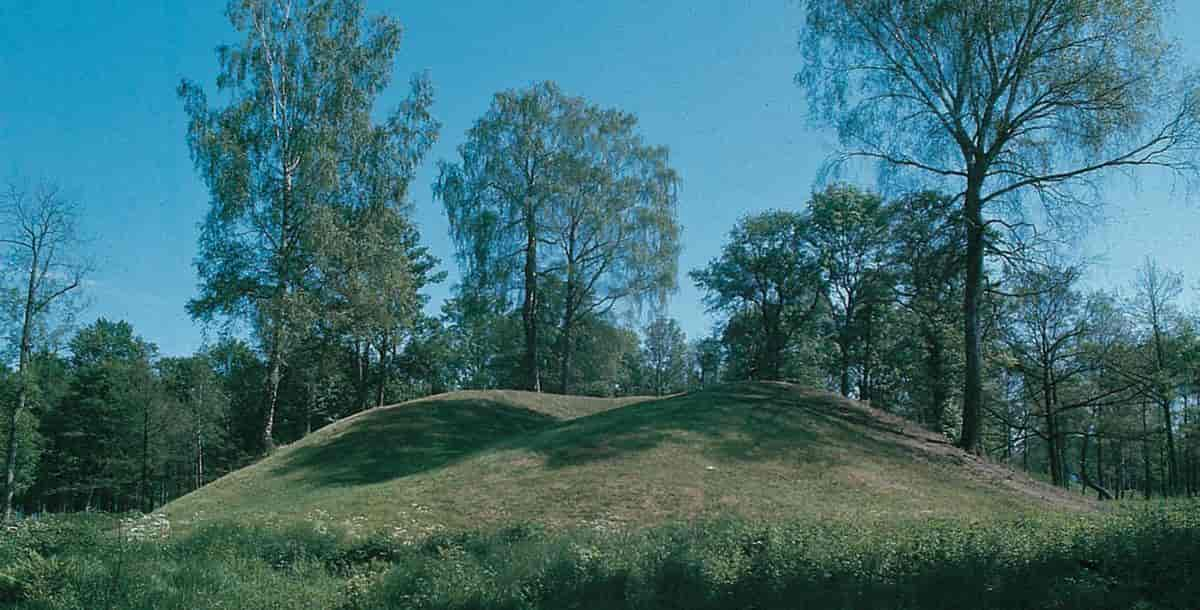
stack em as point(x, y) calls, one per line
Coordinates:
point(301, 86)
point(40, 240)
point(1005, 102)
point(550, 185)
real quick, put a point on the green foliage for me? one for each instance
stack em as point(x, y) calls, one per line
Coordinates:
point(307, 190)
point(767, 280)
point(664, 355)
point(1135, 556)
point(99, 433)
point(482, 345)
point(1097, 82)
point(849, 230)
point(83, 562)
point(239, 371)
point(29, 440)
point(706, 355)
point(600, 348)
point(927, 245)
point(551, 189)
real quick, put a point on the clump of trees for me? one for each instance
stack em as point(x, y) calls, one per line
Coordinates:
point(558, 203)
point(40, 240)
point(1093, 389)
point(1000, 103)
point(943, 300)
point(309, 192)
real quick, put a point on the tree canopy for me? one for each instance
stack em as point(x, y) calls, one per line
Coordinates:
point(549, 185)
point(1002, 101)
point(295, 137)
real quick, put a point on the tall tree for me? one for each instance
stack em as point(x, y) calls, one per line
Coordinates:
point(926, 253)
point(1044, 333)
point(848, 230)
point(373, 268)
point(548, 184)
point(613, 229)
point(192, 386)
point(497, 197)
point(371, 264)
point(1001, 99)
point(707, 352)
point(27, 437)
point(767, 269)
point(1154, 308)
point(301, 87)
point(40, 239)
point(101, 433)
point(665, 354)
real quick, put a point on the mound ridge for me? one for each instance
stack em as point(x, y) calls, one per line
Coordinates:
point(494, 458)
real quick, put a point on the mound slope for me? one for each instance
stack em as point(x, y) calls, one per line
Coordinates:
point(479, 459)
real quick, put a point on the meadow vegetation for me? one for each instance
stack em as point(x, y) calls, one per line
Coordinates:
point(1135, 555)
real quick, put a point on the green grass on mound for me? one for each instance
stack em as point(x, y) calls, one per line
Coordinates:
point(491, 459)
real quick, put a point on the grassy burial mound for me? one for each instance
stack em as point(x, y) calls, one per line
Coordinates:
point(489, 459)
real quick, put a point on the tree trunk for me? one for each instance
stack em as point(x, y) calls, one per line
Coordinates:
point(972, 410)
point(360, 374)
point(25, 351)
point(1049, 404)
point(309, 406)
point(199, 439)
point(1172, 482)
point(566, 338)
point(1101, 492)
point(844, 365)
point(1189, 465)
point(865, 389)
point(10, 471)
point(939, 393)
point(1122, 469)
point(145, 482)
point(773, 329)
point(1164, 400)
point(1165, 483)
point(199, 461)
point(1146, 452)
point(529, 309)
point(274, 374)
point(565, 360)
point(385, 363)
point(1053, 450)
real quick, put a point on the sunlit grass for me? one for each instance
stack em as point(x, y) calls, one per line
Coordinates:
point(490, 459)
point(1136, 555)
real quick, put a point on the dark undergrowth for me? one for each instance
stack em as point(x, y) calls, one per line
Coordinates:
point(1133, 557)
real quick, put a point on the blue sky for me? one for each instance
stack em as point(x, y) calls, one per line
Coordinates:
point(89, 102)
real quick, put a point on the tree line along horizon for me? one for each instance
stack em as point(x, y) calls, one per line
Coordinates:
point(950, 301)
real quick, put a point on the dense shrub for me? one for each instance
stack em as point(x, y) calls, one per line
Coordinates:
point(1141, 556)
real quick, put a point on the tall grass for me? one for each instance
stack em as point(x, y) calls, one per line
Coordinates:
point(1142, 556)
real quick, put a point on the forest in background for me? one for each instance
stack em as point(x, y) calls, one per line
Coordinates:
point(951, 300)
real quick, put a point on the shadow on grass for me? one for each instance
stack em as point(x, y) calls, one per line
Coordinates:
point(391, 443)
point(739, 422)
